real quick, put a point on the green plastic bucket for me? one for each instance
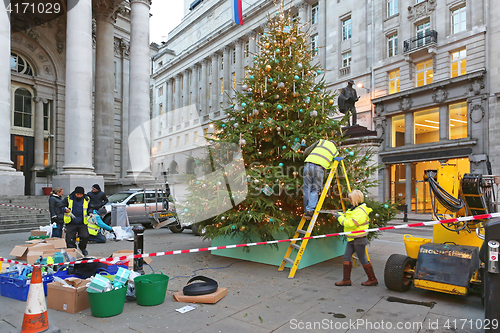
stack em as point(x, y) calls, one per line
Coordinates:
point(150, 289)
point(107, 304)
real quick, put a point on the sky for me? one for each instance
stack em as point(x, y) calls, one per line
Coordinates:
point(167, 14)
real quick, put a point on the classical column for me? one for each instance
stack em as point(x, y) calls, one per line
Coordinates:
point(139, 129)
point(194, 86)
point(125, 79)
point(78, 169)
point(104, 132)
point(39, 165)
point(322, 33)
point(178, 92)
point(170, 95)
point(185, 83)
point(11, 182)
point(252, 47)
point(226, 76)
point(215, 82)
point(204, 86)
point(239, 64)
point(302, 6)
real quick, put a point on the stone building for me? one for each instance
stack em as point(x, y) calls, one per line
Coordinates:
point(76, 86)
point(425, 70)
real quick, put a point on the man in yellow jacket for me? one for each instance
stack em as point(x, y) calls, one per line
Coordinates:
point(319, 158)
point(354, 219)
point(76, 219)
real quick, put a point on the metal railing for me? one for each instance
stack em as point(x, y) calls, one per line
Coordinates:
point(429, 37)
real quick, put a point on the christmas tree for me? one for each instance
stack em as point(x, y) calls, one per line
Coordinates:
point(282, 108)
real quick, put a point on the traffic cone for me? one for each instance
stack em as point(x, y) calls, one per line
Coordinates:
point(35, 315)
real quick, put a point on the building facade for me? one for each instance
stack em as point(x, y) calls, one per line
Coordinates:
point(71, 95)
point(425, 71)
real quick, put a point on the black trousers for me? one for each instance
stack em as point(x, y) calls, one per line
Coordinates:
point(73, 231)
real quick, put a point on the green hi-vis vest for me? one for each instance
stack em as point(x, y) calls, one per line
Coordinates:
point(323, 154)
point(354, 220)
point(67, 216)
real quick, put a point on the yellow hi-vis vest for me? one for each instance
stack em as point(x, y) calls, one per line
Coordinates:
point(323, 154)
point(67, 216)
point(354, 220)
point(92, 226)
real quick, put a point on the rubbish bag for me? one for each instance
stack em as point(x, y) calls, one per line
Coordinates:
point(123, 233)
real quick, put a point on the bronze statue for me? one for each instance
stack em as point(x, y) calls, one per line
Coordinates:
point(347, 98)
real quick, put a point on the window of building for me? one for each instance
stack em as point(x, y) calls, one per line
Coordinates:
point(458, 20)
point(346, 59)
point(46, 152)
point(233, 75)
point(210, 69)
point(392, 45)
point(398, 131)
point(423, 33)
point(394, 82)
point(314, 44)
point(160, 91)
point(398, 182)
point(205, 130)
point(186, 139)
point(23, 108)
point(458, 120)
point(234, 56)
point(295, 17)
point(346, 28)
point(170, 143)
point(178, 139)
point(426, 126)
point(314, 13)
point(392, 7)
point(458, 63)
point(159, 146)
point(161, 109)
point(221, 85)
point(46, 116)
point(196, 139)
point(247, 49)
point(222, 62)
point(20, 64)
point(424, 73)
point(211, 91)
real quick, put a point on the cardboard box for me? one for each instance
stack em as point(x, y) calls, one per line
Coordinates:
point(68, 299)
point(209, 298)
point(38, 233)
point(122, 253)
point(59, 243)
point(21, 251)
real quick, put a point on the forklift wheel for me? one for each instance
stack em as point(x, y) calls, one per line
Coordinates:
point(398, 272)
point(176, 229)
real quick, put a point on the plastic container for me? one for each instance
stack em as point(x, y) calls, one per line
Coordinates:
point(150, 289)
point(107, 304)
point(412, 245)
point(17, 287)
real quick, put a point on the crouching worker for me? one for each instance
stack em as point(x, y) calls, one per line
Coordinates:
point(95, 225)
point(356, 218)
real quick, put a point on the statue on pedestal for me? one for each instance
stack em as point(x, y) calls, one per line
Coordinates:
point(347, 98)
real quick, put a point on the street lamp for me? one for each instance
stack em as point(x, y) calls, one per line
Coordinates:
point(360, 85)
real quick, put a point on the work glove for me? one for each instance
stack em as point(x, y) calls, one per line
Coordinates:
point(336, 215)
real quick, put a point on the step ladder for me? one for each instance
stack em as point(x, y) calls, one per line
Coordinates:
point(300, 232)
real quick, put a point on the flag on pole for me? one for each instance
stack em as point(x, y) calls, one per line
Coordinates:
point(237, 12)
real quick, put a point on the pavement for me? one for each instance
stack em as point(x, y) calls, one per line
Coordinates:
point(261, 299)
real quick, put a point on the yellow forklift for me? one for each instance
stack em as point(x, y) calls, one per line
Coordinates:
point(448, 263)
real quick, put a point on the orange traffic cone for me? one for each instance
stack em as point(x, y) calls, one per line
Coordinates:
point(35, 315)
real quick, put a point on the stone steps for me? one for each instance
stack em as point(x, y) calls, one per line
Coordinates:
point(14, 219)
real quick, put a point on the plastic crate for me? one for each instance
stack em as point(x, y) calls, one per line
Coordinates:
point(17, 287)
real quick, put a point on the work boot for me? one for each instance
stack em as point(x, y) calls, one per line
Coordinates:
point(346, 281)
point(372, 280)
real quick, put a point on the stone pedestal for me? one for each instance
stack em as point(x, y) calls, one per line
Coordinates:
point(12, 183)
point(69, 182)
point(358, 131)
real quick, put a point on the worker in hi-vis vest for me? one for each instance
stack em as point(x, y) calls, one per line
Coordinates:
point(319, 157)
point(76, 219)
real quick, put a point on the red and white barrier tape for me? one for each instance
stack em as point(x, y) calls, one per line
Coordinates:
point(32, 208)
point(167, 253)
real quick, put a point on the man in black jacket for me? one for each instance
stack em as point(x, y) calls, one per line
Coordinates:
point(76, 207)
point(97, 198)
point(56, 211)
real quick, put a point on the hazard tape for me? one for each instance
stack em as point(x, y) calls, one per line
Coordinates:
point(31, 208)
point(213, 248)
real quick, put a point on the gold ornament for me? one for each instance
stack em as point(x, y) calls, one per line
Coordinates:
point(267, 45)
point(295, 94)
point(243, 228)
point(330, 102)
point(268, 68)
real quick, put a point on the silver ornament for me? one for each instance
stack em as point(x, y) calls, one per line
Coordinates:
point(314, 113)
point(281, 85)
point(243, 142)
point(255, 112)
point(261, 103)
point(299, 65)
point(244, 87)
point(235, 125)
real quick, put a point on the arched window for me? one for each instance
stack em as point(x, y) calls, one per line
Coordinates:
point(190, 165)
point(20, 64)
point(22, 108)
point(174, 168)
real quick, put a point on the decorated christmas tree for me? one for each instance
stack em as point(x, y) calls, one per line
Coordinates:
point(282, 108)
